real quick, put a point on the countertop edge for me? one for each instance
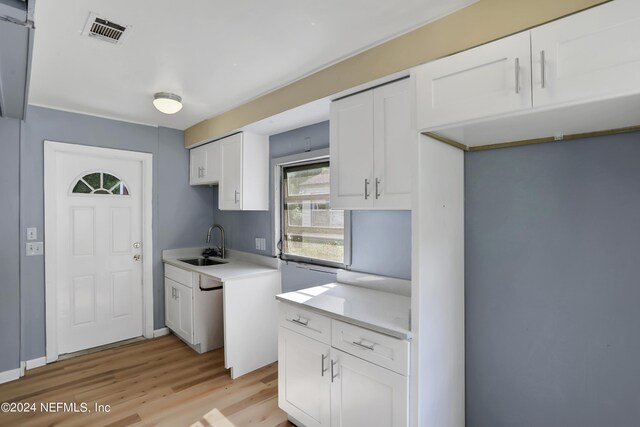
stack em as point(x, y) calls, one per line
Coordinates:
point(376, 328)
point(194, 269)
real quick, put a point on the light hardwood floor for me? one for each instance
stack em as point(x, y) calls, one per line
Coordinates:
point(153, 382)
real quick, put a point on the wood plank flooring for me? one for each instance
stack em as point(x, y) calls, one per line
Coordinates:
point(159, 382)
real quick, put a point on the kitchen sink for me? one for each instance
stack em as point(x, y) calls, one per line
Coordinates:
point(201, 262)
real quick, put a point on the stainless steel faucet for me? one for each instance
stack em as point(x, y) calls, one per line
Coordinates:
point(222, 247)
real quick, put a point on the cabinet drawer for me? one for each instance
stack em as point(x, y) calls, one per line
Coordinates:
point(179, 275)
point(383, 350)
point(306, 322)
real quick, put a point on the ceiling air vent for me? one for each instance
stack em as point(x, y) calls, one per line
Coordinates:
point(103, 29)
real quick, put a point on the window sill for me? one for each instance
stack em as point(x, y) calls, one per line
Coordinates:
point(313, 267)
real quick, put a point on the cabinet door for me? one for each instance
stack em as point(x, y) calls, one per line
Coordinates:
point(351, 152)
point(482, 82)
point(212, 171)
point(198, 165)
point(171, 305)
point(591, 55)
point(304, 382)
point(230, 189)
point(179, 309)
point(363, 394)
point(393, 146)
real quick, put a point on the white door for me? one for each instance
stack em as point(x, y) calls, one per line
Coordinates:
point(364, 394)
point(393, 136)
point(230, 190)
point(481, 82)
point(98, 268)
point(590, 55)
point(351, 151)
point(304, 383)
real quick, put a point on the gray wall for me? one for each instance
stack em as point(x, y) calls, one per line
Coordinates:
point(381, 240)
point(552, 284)
point(179, 210)
point(9, 248)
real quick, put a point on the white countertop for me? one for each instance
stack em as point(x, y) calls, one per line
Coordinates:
point(237, 264)
point(379, 311)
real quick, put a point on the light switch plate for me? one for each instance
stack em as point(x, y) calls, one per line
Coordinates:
point(32, 233)
point(35, 248)
point(261, 243)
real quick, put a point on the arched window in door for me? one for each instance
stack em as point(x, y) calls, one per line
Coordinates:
point(100, 183)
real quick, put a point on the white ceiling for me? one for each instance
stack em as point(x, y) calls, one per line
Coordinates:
point(215, 54)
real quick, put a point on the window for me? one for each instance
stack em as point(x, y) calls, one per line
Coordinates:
point(100, 183)
point(310, 230)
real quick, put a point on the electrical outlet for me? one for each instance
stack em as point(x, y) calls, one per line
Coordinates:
point(35, 248)
point(261, 243)
point(32, 233)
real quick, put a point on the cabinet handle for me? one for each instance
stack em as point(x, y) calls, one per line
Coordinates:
point(299, 321)
point(543, 79)
point(366, 188)
point(235, 196)
point(377, 188)
point(517, 75)
point(359, 344)
point(333, 377)
point(322, 370)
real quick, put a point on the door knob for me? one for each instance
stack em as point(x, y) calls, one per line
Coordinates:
point(137, 257)
point(136, 245)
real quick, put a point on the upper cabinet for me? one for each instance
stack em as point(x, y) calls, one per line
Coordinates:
point(370, 149)
point(491, 79)
point(591, 55)
point(571, 76)
point(239, 164)
point(244, 173)
point(205, 164)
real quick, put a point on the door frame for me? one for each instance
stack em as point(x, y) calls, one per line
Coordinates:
point(51, 149)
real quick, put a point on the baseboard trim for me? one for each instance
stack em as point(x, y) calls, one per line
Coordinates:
point(36, 363)
point(161, 332)
point(10, 375)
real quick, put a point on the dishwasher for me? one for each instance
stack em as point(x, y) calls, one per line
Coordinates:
point(208, 321)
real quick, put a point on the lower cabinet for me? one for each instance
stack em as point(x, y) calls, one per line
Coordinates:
point(193, 308)
point(179, 309)
point(364, 394)
point(304, 378)
point(320, 385)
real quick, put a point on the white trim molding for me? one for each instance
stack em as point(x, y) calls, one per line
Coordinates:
point(146, 161)
point(161, 332)
point(35, 363)
point(10, 375)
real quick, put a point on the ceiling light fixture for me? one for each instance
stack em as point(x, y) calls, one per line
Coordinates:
point(167, 103)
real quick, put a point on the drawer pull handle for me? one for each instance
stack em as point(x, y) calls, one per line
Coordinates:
point(359, 344)
point(333, 377)
point(304, 322)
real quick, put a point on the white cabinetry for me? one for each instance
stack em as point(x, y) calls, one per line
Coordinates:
point(491, 79)
point(304, 379)
point(371, 135)
point(193, 308)
point(360, 379)
point(179, 309)
point(591, 55)
point(576, 75)
point(205, 164)
point(244, 177)
point(363, 394)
